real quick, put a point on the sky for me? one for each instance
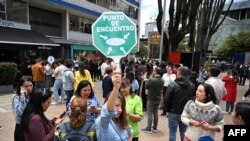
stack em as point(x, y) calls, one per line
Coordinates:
point(150, 12)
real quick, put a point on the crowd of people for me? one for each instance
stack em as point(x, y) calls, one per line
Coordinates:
point(129, 91)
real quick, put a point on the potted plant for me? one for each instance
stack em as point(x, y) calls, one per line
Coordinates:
point(8, 71)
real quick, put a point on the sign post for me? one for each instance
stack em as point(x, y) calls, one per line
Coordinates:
point(114, 35)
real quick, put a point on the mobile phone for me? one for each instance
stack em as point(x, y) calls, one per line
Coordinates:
point(63, 114)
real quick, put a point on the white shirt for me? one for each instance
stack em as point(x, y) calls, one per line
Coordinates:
point(168, 78)
point(218, 85)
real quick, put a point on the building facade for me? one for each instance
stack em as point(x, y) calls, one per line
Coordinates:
point(238, 20)
point(59, 28)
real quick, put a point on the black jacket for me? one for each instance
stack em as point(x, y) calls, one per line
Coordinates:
point(177, 95)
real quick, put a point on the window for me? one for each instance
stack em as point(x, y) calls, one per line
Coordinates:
point(2, 10)
point(2, 5)
point(80, 24)
point(45, 22)
point(248, 13)
point(243, 14)
point(73, 23)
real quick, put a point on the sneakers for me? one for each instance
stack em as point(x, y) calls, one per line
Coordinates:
point(54, 103)
point(146, 130)
point(154, 129)
point(243, 98)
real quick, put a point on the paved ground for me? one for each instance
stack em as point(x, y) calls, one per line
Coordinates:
point(8, 123)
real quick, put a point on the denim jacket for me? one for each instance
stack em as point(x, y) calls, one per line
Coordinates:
point(18, 105)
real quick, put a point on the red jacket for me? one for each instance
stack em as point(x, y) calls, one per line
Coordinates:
point(231, 87)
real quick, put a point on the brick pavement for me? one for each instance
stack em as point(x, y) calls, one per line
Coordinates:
point(7, 120)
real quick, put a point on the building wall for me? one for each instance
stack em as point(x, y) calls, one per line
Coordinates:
point(228, 28)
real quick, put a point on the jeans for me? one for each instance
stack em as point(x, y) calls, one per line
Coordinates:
point(58, 84)
point(229, 105)
point(40, 85)
point(152, 112)
point(173, 121)
point(69, 94)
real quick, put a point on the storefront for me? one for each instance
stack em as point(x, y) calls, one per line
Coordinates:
point(89, 51)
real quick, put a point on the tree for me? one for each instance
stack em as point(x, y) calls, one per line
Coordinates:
point(182, 15)
point(235, 43)
point(200, 18)
point(143, 51)
point(209, 20)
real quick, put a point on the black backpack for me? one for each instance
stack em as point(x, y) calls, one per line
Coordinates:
point(80, 134)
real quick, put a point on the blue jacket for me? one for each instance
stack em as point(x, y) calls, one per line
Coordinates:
point(106, 129)
point(18, 105)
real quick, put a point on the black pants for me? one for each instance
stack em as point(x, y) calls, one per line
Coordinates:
point(18, 135)
point(135, 139)
point(163, 93)
point(247, 92)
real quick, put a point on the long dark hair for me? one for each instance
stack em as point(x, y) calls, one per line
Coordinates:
point(210, 93)
point(126, 82)
point(122, 120)
point(21, 83)
point(243, 109)
point(81, 68)
point(34, 106)
point(83, 84)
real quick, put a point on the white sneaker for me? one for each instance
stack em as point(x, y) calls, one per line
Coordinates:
point(243, 98)
point(54, 103)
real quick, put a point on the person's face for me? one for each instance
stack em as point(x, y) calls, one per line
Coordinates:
point(85, 91)
point(46, 104)
point(237, 119)
point(125, 89)
point(169, 71)
point(200, 93)
point(118, 108)
point(28, 86)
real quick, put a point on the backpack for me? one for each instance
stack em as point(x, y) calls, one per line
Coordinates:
point(77, 134)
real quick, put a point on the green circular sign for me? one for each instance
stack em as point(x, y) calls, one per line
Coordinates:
point(114, 34)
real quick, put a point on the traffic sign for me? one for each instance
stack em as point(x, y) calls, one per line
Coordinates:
point(51, 59)
point(114, 34)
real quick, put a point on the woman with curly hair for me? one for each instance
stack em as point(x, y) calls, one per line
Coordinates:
point(77, 123)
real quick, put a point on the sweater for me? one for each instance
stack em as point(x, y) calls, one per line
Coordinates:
point(198, 111)
point(154, 86)
point(39, 130)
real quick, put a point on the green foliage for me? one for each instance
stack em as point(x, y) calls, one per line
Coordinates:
point(143, 51)
point(8, 73)
point(182, 47)
point(235, 43)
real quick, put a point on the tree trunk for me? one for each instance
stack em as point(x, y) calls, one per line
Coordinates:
point(165, 45)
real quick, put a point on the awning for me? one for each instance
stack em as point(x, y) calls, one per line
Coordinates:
point(25, 37)
point(84, 47)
